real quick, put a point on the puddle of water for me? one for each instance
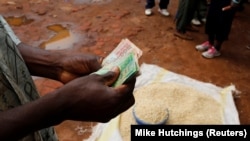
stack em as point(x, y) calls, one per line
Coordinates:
point(63, 38)
point(18, 21)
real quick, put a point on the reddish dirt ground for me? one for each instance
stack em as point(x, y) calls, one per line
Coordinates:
point(99, 27)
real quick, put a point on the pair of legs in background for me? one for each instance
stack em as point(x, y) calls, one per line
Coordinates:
point(184, 15)
point(163, 5)
point(217, 27)
point(200, 13)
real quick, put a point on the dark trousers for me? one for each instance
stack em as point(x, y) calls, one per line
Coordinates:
point(151, 3)
point(201, 10)
point(185, 13)
point(219, 23)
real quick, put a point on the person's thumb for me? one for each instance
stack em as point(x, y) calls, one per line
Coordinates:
point(111, 76)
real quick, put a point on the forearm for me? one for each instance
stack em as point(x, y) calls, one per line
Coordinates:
point(40, 62)
point(20, 121)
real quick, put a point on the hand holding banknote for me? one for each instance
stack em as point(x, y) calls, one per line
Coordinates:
point(125, 56)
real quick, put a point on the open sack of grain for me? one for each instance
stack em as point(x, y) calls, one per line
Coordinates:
point(188, 102)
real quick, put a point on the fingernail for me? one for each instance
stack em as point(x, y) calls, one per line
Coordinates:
point(115, 69)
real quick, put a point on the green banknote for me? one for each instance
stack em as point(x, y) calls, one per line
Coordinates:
point(128, 66)
point(125, 56)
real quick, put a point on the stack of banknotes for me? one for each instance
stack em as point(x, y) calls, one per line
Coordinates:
point(125, 56)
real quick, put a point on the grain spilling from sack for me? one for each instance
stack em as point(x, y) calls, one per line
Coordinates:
point(185, 104)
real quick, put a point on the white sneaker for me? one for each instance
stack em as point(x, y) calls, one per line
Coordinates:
point(148, 12)
point(211, 53)
point(196, 22)
point(164, 12)
point(203, 20)
point(203, 47)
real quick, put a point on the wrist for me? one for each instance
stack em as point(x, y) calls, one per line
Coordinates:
point(54, 108)
point(41, 62)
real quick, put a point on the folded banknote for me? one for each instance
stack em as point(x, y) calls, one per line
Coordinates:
point(125, 56)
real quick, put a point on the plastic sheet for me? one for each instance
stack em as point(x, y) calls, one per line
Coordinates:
point(153, 73)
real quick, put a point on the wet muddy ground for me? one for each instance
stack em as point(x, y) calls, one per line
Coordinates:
point(97, 26)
